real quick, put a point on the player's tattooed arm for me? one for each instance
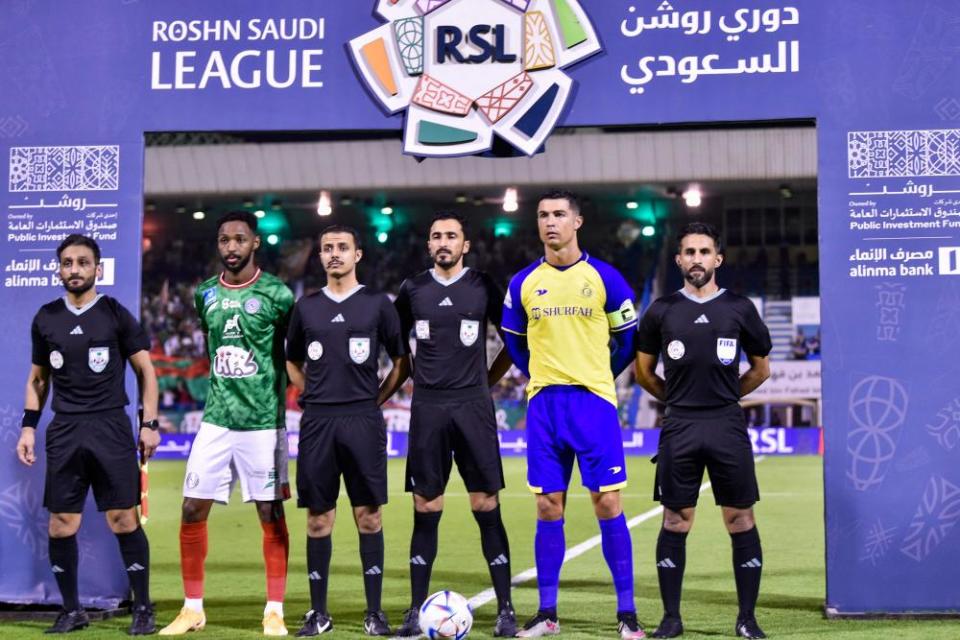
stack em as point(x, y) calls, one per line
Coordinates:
point(646, 369)
point(753, 377)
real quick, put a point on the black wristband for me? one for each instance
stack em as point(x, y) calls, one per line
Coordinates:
point(31, 418)
point(153, 425)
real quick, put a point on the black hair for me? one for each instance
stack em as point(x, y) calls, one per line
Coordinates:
point(700, 228)
point(562, 194)
point(77, 240)
point(452, 215)
point(342, 228)
point(238, 216)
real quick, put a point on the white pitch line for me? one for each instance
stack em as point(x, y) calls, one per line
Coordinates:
point(487, 595)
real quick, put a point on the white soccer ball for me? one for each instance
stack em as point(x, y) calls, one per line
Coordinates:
point(446, 614)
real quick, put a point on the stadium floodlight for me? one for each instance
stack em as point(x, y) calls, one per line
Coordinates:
point(692, 197)
point(199, 214)
point(632, 205)
point(387, 209)
point(648, 231)
point(346, 201)
point(273, 239)
point(260, 213)
point(324, 208)
point(382, 237)
point(461, 198)
point(510, 200)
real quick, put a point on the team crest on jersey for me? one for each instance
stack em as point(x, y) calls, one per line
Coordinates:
point(676, 349)
point(98, 358)
point(315, 350)
point(586, 291)
point(56, 359)
point(359, 349)
point(469, 330)
point(251, 306)
point(726, 350)
point(232, 328)
point(234, 362)
point(423, 329)
point(209, 297)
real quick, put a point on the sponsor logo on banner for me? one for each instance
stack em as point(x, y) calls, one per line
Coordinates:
point(98, 358)
point(423, 329)
point(949, 259)
point(234, 362)
point(108, 270)
point(465, 70)
point(359, 349)
point(676, 349)
point(727, 350)
point(315, 350)
point(469, 330)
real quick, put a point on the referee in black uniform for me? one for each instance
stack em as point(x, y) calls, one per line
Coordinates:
point(333, 345)
point(83, 342)
point(447, 309)
point(700, 332)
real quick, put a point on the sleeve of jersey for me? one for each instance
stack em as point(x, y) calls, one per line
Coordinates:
point(648, 338)
point(621, 314)
point(133, 338)
point(38, 346)
point(402, 305)
point(514, 316)
point(495, 298)
point(296, 350)
point(285, 302)
point(754, 334)
point(198, 303)
point(391, 333)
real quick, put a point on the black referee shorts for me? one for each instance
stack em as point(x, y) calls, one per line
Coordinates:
point(717, 439)
point(447, 426)
point(348, 439)
point(91, 449)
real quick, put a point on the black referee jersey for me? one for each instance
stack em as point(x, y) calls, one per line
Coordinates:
point(339, 339)
point(700, 341)
point(449, 320)
point(86, 351)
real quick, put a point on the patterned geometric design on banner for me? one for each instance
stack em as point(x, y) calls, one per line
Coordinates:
point(375, 55)
point(878, 542)
point(409, 32)
point(426, 6)
point(877, 407)
point(937, 513)
point(538, 51)
point(433, 94)
point(434, 133)
point(573, 32)
point(498, 102)
point(903, 154)
point(531, 121)
point(945, 427)
point(88, 168)
point(518, 4)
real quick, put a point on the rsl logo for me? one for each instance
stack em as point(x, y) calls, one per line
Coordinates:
point(468, 70)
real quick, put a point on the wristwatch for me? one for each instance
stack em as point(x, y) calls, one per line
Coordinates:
point(150, 424)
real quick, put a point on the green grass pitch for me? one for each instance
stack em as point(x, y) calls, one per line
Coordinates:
point(790, 518)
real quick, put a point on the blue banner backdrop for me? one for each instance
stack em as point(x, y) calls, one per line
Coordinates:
point(81, 82)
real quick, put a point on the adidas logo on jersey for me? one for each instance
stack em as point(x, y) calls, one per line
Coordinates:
point(499, 560)
point(418, 560)
point(136, 566)
point(446, 302)
point(753, 563)
point(666, 563)
point(373, 571)
point(314, 576)
point(77, 331)
point(339, 318)
point(702, 319)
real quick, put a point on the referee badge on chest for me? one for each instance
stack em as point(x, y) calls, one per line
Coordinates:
point(726, 350)
point(359, 349)
point(98, 358)
point(469, 331)
point(315, 350)
point(56, 359)
point(423, 329)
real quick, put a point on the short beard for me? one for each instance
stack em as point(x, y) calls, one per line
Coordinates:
point(446, 261)
point(240, 265)
point(699, 281)
point(82, 288)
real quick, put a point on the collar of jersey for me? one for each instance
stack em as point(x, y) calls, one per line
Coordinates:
point(583, 258)
point(249, 282)
point(693, 298)
point(75, 311)
point(342, 297)
point(447, 282)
